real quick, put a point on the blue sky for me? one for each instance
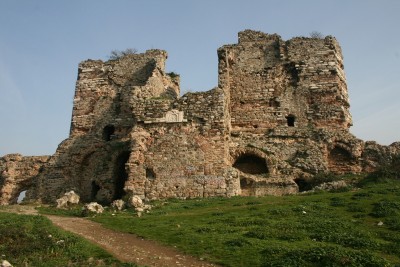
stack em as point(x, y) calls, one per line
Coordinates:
point(42, 42)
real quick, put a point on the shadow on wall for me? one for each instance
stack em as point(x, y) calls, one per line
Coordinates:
point(251, 164)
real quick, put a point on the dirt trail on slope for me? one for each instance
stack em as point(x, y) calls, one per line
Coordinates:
point(125, 247)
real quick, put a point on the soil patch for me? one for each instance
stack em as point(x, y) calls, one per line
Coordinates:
point(125, 247)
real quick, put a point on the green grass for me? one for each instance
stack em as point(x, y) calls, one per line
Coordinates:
point(319, 229)
point(27, 240)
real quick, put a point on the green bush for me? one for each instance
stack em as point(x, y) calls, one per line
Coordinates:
point(117, 54)
point(172, 74)
point(385, 208)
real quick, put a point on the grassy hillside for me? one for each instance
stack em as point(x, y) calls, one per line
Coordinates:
point(360, 227)
point(33, 241)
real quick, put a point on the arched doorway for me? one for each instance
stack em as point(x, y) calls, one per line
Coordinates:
point(251, 164)
point(120, 175)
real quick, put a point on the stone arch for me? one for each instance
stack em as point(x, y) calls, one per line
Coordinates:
point(16, 195)
point(340, 160)
point(251, 163)
point(21, 196)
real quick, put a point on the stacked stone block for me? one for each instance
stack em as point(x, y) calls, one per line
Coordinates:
point(279, 115)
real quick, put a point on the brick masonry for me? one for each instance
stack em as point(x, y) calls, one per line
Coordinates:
point(279, 114)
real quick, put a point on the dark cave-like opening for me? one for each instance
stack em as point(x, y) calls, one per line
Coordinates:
point(290, 120)
point(120, 175)
point(150, 174)
point(303, 184)
point(251, 164)
point(108, 131)
point(95, 189)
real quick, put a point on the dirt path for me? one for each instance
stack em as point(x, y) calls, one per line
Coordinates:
point(125, 247)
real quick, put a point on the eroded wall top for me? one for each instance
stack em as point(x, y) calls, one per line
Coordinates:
point(274, 83)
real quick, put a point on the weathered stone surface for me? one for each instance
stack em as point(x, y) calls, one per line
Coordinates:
point(279, 115)
point(332, 185)
point(93, 207)
point(5, 263)
point(135, 202)
point(17, 174)
point(68, 198)
point(118, 204)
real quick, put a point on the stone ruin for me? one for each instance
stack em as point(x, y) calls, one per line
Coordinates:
point(279, 116)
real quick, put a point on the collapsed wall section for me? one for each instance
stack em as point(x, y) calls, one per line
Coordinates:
point(104, 90)
point(131, 134)
point(279, 115)
point(273, 83)
point(180, 147)
point(18, 174)
point(92, 161)
point(289, 112)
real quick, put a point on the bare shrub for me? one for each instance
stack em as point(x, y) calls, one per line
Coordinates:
point(316, 34)
point(116, 54)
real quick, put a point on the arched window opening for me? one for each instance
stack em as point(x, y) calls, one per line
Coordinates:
point(251, 164)
point(120, 175)
point(108, 132)
point(150, 174)
point(290, 120)
point(95, 189)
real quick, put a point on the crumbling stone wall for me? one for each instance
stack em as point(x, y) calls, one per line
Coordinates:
point(279, 115)
point(138, 137)
point(273, 83)
point(17, 174)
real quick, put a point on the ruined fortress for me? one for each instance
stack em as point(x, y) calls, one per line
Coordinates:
point(279, 116)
